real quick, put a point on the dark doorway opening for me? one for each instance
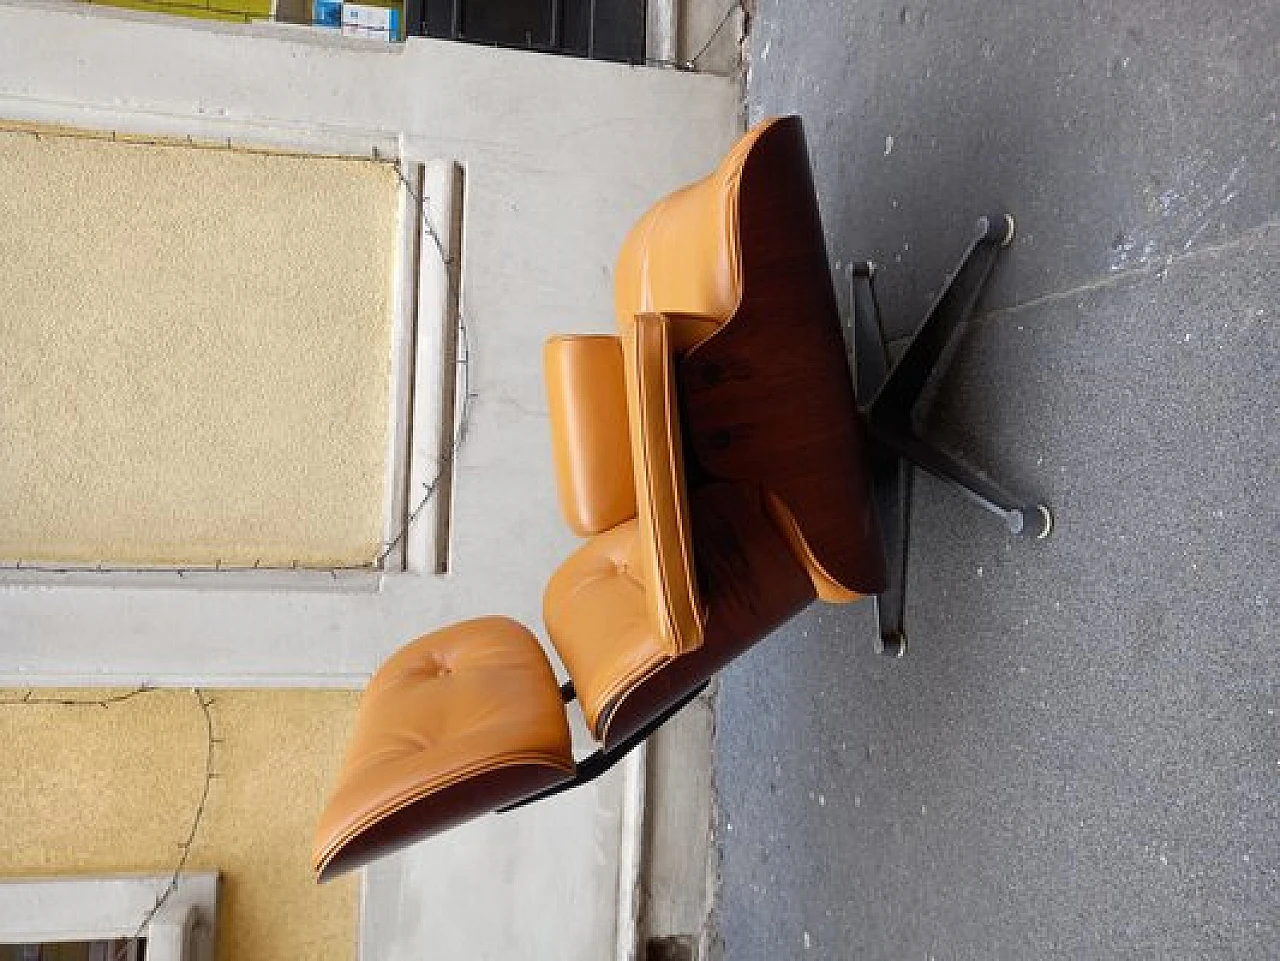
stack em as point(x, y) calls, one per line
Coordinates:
point(597, 29)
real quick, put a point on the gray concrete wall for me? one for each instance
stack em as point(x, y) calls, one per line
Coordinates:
point(680, 873)
point(561, 156)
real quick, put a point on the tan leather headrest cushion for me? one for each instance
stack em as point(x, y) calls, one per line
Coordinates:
point(590, 435)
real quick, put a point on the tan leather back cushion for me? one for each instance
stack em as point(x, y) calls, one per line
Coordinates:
point(590, 436)
point(681, 257)
point(684, 258)
point(662, 506)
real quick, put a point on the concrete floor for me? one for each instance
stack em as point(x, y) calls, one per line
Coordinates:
point(1080, 756)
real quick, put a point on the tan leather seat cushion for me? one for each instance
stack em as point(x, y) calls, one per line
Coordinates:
point(590, 436)
point(600, 618)
point(470, 717)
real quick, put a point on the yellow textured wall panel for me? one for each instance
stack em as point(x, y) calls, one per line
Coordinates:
point(194, 353)
point(89, 790)
point(236, 11)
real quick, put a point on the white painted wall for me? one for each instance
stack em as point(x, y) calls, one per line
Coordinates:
point(561, 156)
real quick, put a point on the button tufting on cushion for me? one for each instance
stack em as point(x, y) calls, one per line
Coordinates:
point(599, 617)
point(454, 725)
point(430, 668)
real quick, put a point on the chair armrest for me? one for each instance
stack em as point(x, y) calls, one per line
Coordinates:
point(665, 532)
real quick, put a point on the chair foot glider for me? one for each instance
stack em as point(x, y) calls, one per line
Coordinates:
point(724, 468)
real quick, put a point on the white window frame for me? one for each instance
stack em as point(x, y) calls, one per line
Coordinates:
point(44, 910)
point(425, 305)
point(262, 628)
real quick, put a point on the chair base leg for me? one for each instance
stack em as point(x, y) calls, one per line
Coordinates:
point(894, 402)
point(1021, 518)
point(891, 481)
point(902, 395)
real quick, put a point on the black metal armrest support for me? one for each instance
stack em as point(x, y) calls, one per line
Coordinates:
point(594, 765)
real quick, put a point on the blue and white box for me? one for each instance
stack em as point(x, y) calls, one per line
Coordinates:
point(327, 13)
point(369, 20)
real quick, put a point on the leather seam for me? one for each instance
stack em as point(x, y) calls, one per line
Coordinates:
point(451, 778)
point(679, 508)
point(622, 687)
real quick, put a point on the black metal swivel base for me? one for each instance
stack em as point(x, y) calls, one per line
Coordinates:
point(894, 403)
